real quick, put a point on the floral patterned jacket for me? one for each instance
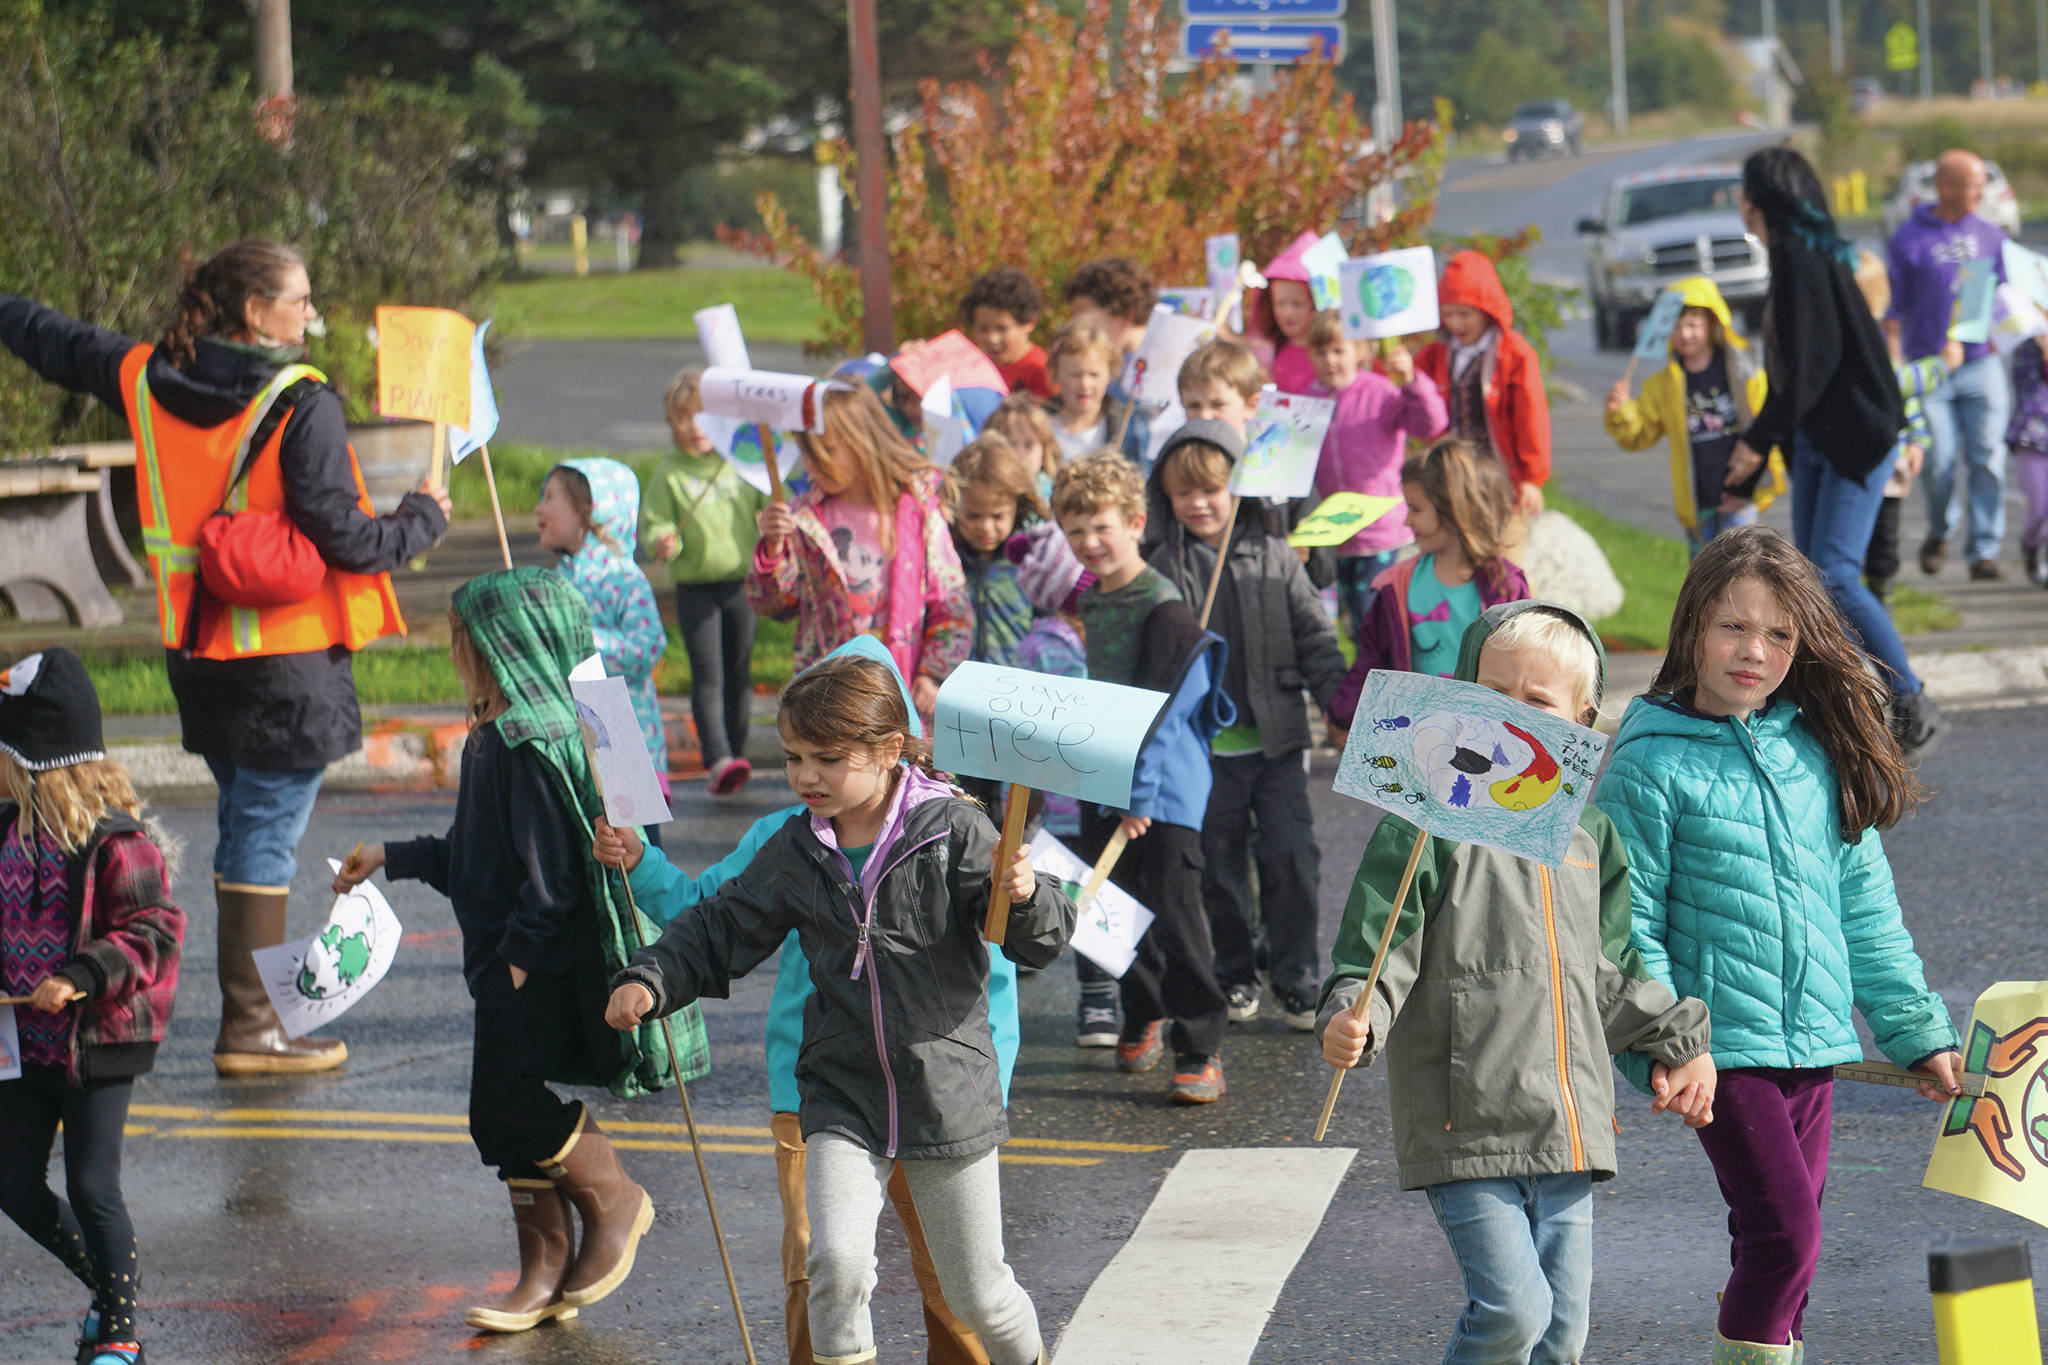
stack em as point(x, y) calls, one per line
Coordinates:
point(624, 620)
point(928, 624)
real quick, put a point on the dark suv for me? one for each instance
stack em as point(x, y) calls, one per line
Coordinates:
point(1539, 126)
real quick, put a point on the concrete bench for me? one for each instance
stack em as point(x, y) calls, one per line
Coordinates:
point(48, 569)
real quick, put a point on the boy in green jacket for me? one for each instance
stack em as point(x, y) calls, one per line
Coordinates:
point(1495, 956)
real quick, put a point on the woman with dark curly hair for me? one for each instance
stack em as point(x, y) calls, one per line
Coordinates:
point(224, 416)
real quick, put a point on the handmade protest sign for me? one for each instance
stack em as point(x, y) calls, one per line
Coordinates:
point(1325, 262)
point(947, 428)
point(10, 1046)
point(423, 365)
point(950, 355)
point(2026, 270)
point(1220, 255)
point(786, 402)
point(1653, 333)
point(1190, 301)
point(748, 446)
point(1068, 735)
point(2015, 319)
point(1462, 762)
point(1970, 315)
point(312, 982)
point(718, 332)
point(626, 779)
point(1390, 294)
point(1286, 441)
point(1340, 517)
point(1994, 1149)
point(1153, 374)
point(1110, 923)
point(472, 434)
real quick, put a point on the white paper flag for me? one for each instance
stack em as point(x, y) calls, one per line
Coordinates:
point(624, 769)
point(315, 981)
point(718, 332)
point(1111, 924)
point(1392, 294)
point(10, 1046)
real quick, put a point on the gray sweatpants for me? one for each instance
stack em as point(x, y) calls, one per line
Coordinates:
point(960, 1204)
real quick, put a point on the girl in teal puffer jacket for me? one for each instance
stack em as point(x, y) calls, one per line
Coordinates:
point(1748, 786)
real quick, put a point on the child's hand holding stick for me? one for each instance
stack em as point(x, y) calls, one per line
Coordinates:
point(619, 848)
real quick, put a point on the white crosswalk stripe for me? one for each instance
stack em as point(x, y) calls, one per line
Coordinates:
point(1200, 1276)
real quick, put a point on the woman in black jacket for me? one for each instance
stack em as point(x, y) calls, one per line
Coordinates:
point(1834, 408)
point(266, 724)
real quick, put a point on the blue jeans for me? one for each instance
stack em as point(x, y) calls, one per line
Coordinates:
point(1525, 1247)
point(1832, 518)
point(262, 816)
point(1967, 413)
point(1711, 524)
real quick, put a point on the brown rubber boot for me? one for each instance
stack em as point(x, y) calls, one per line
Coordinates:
point(547, 1242)
point(252, 1042)
point(616, 1212)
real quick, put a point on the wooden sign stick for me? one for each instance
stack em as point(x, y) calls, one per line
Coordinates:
point(1104, 865)
point(1222, 553)
point(1629, 374)
point(437, 475)
point(1123, 427)
point(1362, 1007)
point(776, 492)
point(1016, 806)
point(497, 512)
point(24, 999)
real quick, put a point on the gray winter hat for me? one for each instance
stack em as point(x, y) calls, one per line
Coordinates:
point(1208, 431)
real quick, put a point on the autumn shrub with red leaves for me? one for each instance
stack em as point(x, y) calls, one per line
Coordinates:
point(1078, 146)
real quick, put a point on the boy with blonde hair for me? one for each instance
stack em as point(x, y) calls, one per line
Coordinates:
point(1140, 633)
point(1220, 382)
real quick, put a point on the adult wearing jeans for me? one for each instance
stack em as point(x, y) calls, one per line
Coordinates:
point(1967, 412)
point(1834, 404)
point(265, 693)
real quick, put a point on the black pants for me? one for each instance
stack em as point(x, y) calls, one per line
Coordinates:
point(522, 1037)
point(1259, 812)
point(717, 627)
point(1881, 560)
point(1174, 974)
point(91, 1233)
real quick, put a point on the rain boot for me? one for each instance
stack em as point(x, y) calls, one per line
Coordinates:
point(1728, 1352)
point(252, 1042)
point(616, 1212)
point(547, 1243)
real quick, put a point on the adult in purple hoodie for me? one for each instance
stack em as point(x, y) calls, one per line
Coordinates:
point(1967, 411)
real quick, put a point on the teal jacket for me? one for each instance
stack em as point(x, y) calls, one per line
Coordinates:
point(1745, 894)
point(663, 891)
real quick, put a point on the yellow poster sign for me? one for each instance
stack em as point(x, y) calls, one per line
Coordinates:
point(423, 364)
point(1340, 517)
point(1995, 1149)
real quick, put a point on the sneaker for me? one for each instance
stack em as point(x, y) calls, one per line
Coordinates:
point(1196, 1080)
point(1933, 554)
point(729, 775)
point(1141, 1053)
point(89, 1336)
point(1986, 571)
point(1097, 1023)
point(1298, 1008)
point(1241, 1003)
point(1916, 720)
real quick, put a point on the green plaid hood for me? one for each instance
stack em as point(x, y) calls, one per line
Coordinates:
point(531, 627)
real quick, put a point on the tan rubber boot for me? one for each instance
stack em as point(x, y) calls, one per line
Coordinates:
point(547, 1243)
point(252, 1042)
point(616, 1212)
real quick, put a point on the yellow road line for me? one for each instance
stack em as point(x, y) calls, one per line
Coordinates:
point(657, 1145)
point(1010, 1159)
point(340, 1134)
point(1078, 1146)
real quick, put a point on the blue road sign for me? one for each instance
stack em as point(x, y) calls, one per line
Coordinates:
point(1262, 9)
point(1262, 41)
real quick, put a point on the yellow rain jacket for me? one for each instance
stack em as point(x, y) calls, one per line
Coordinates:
point(1660, 411)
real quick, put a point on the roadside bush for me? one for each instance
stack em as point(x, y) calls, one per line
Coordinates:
point(722, 195)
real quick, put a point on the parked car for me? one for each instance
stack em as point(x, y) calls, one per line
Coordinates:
point(1540, 126)
point(1658, 226)
point(1865, 94)
point(1916, 187)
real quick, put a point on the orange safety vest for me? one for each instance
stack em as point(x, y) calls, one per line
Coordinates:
point(182, 474)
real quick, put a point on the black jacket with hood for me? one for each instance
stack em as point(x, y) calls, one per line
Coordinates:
point(276, 711)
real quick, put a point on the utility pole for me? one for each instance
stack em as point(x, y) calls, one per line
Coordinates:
point(1386, 70)
point(1926, 57)
point(1770, 18)
point(2041, 36)
point(878, 313)
point(1617, 61)
point(273, 49)
point(1835, 34)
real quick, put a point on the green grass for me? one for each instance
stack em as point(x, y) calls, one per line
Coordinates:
point(1916, 611)
point(774, 305)
point(520, 471)
point(1650, 566)
point(405, 675)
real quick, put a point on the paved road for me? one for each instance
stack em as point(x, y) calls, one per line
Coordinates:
point(345, 1218)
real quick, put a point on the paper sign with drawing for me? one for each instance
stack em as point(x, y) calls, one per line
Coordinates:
point(1066, 735)
point(1285, 443)
point(1653, 333)
point(423, 364)
point(10, 1046)
point(1995, 1149)
point(718, 332)
point(314, 981)
point(619, 760)
point(1339, 517)
point(1391, 294)
point(1112, 922)
point(787, 402)
point(1153, 374)
point(1464, 762)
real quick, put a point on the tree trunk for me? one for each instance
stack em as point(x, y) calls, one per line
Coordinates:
point(273, 56)
point(661, 204)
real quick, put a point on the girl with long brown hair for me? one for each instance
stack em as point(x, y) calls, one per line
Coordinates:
point(865, 549)
point(1749, 786)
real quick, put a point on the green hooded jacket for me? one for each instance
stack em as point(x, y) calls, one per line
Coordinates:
point(1506, 988)
point(531, 627)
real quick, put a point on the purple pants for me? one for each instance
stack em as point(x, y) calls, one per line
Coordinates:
point(2030, 470)
point(1769, 1146)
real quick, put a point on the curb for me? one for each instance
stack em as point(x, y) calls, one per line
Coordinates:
point(423, 753)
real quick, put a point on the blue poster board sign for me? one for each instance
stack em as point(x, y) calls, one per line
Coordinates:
point(1068, 735)
point(1262, 9)
point(1256, 40)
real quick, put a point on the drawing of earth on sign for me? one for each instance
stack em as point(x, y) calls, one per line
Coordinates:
point(1265, 446)
point(1473, 763)
point(1385, 290)
point(337, 958)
